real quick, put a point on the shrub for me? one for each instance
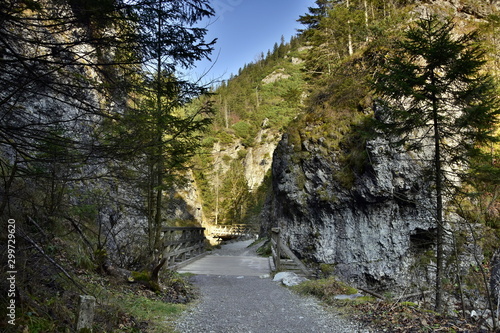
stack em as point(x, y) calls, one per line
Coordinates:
point(325, 289)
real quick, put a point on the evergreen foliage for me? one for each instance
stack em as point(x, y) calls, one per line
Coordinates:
point(266, 95)
point(339, 118)
point(434, 88)
point(167, 41)
point(90, 107)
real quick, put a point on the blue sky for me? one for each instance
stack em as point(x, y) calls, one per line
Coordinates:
point(245, 29)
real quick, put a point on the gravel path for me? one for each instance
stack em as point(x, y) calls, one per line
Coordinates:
point(253, 304)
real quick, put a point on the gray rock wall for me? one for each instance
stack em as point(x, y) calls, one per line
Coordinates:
point(369, 232)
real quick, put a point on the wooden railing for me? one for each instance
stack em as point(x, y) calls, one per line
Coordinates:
point(283, 257)
point(232, 231)
point(182, 245)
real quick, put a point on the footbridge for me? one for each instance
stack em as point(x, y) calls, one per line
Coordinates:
point(224, 232)
point(183, 245)
point(232, 259)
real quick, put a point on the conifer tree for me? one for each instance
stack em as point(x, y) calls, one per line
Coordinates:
point(432, 90)
point(60, 68)
point(312, 19)
point(168, 42)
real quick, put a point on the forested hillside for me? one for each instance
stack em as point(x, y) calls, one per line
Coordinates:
point(360, 186)
point(251, 111)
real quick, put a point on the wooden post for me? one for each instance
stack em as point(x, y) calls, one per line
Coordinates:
point(277, 244)
point(279, 249)
point(85, 317)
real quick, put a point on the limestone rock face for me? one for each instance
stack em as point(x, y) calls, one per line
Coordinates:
point(275, 76)
point(370, 231)
point(184, 201)
point(258, 160)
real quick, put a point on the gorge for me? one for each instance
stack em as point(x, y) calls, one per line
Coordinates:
point(98, 154)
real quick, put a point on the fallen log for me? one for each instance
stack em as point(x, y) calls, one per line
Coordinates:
point(372, 293)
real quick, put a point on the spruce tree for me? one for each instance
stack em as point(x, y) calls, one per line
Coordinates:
point(168, 41)
point(432, 90)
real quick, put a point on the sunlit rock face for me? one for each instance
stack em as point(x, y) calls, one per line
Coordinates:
point(371, 231)
point(258, 160)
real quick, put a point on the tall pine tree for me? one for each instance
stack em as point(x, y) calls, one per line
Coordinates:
point(432, 88)
point(168, 41)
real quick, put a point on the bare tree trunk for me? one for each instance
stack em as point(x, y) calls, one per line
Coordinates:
point(366, 19)
point(257, 96)
point(226, 114)
point(349, 41)
point(439, 203)
point(495, 286)
point(459, 278)
point(150, 203)
point(7, 186)
point(155, 272)
point(217, 185)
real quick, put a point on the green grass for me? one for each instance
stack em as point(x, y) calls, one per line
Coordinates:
point(158, 314)
point(39, 324)
point(187, 275)
point(265, 250)
point(325, 289)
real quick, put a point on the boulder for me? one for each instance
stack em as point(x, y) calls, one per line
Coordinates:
point(289, 279)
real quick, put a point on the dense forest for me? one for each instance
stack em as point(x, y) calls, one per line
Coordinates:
point(103, 142)
point(93, 133)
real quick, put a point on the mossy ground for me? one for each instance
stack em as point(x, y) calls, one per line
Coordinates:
point(389, 315)
point(47, 296)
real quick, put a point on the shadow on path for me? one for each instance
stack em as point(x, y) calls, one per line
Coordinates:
point(231, 259)
point(244, 299)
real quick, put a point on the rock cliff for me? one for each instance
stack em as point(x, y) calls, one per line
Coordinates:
point(259, 158)
point(369, 232)
point(377, 227)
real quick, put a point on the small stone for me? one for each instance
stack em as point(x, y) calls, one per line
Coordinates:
point(474, 315)
point(289, 279)
point(280, 276)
